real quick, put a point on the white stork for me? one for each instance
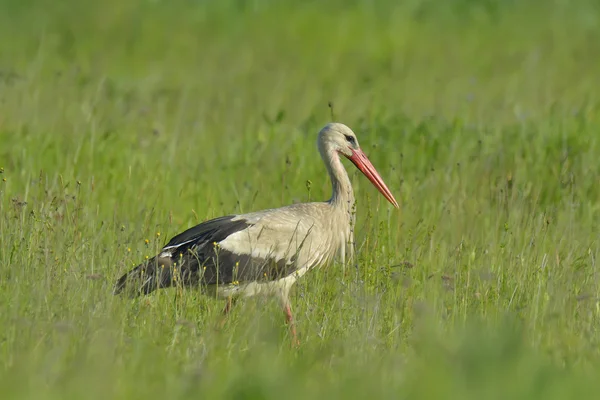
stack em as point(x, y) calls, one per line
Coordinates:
point(265, 252)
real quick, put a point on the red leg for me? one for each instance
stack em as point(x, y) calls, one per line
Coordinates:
point(228, 306)
point(226, 312)
point(289, 318)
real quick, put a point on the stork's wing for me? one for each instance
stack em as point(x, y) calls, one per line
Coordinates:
point(221, 251)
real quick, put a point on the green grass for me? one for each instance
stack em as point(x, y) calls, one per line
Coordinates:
point(119, 120)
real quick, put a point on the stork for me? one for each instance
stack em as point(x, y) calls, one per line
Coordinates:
point(265, 252)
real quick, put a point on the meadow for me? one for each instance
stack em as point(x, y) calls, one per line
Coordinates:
point(122, 123)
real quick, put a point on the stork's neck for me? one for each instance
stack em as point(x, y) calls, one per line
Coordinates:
point(342, 196)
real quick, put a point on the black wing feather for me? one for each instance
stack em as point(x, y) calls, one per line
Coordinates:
point(215, 229)
point(207, 232)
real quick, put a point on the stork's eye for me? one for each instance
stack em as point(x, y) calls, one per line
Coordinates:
point(350, 139)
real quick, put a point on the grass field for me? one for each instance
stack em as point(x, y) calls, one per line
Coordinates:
point(124, 123)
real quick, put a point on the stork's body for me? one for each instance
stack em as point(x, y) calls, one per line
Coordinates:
point(265, 252)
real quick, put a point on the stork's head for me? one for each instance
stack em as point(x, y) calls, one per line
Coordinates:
point(336, 138)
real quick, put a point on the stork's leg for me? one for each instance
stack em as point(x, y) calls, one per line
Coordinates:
point(226, 311)
point(284, 299)
point(289, 319)
point(228, 306)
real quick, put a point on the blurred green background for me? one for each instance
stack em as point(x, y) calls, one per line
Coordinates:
point(123, 122)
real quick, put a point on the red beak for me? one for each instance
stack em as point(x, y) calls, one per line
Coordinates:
point(361, 161)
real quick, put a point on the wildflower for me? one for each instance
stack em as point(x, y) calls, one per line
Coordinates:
point(146, 241)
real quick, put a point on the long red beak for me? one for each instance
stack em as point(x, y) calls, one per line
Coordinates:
point(361, 161)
